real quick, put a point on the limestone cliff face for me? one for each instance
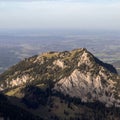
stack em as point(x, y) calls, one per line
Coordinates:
point(76, 73)
point(89, 88)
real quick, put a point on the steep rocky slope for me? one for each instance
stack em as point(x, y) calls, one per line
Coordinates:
point(76, 74)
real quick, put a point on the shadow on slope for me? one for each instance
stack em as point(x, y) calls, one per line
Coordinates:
point(55, 106)
point(109, 67)
point(9, 111)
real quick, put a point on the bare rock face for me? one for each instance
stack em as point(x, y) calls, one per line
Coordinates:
point(59, 63)
point(20, 81)
point(89, 88)
point(76, 73)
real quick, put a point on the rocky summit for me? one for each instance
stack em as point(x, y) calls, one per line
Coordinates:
point(75, 75)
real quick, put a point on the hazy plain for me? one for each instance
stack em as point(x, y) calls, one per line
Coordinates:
point(17, 45)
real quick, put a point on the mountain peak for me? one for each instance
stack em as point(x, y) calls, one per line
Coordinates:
point(76, 73)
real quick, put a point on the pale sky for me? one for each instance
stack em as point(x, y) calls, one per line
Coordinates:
point(60, 14)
